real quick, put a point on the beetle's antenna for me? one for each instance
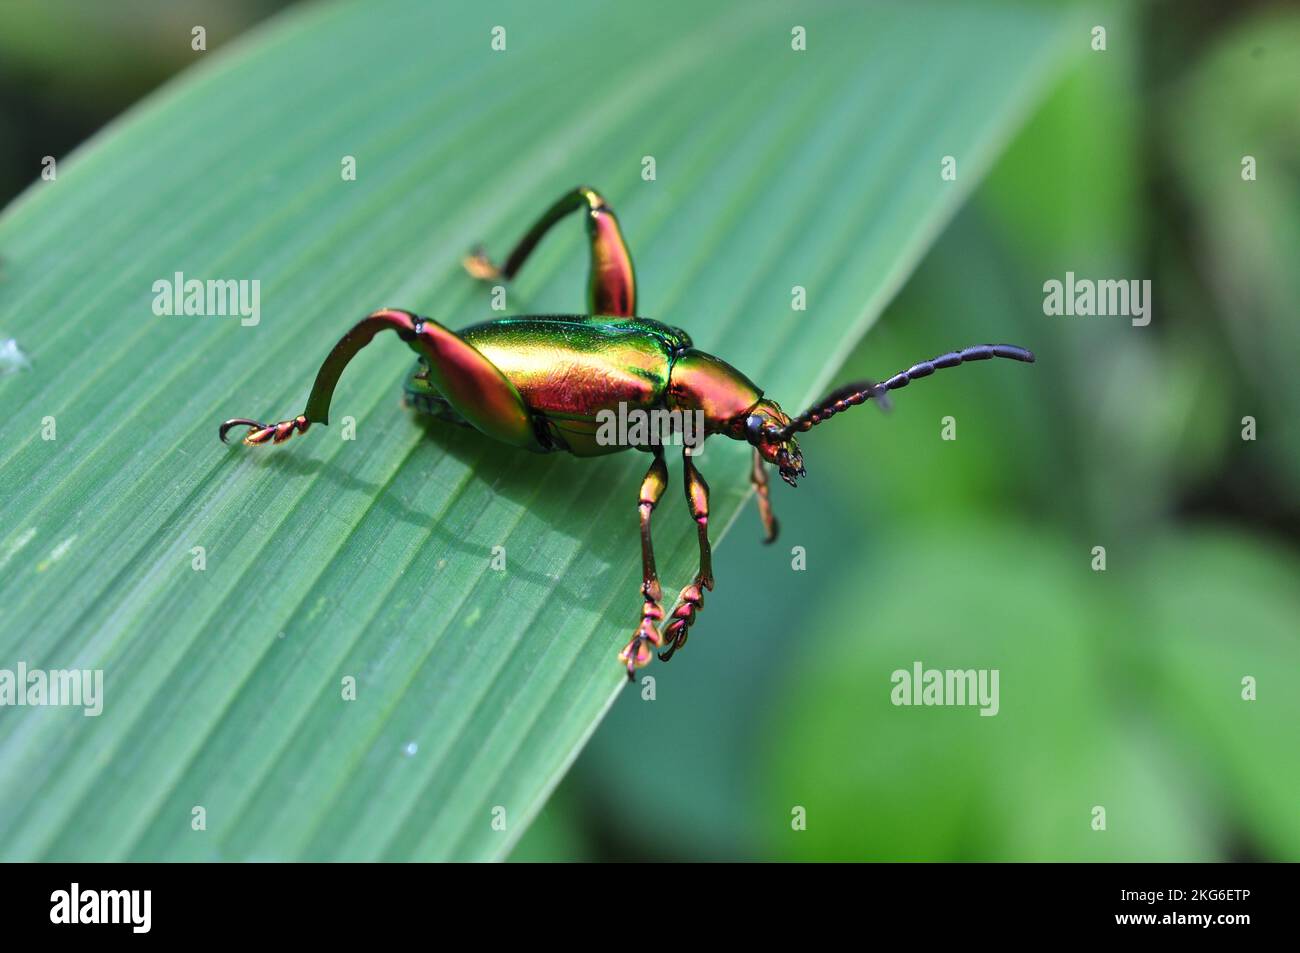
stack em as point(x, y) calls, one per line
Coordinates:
point(853, 394)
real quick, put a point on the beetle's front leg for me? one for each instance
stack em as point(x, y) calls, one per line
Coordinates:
point(692, 597)
point(637, 653)
point(758, 477)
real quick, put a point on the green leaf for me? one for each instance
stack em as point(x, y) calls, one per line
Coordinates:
point(949, 782)
point(1121, 689)
point(1245, 231)
point(1226, 675)
point(370, 558)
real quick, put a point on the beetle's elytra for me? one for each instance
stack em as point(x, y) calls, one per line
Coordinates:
point(543, 382)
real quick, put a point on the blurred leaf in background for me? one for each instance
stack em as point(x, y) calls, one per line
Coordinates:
point(68, 66)
point(1237, 114)
point(1139, 711)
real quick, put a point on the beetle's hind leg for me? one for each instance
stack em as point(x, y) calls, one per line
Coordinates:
point(692, 597)
point(471, 384)
point(611, 287)
point(637, 652)
point(259, 433)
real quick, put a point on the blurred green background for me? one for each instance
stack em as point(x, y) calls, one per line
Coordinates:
point(1120, 689)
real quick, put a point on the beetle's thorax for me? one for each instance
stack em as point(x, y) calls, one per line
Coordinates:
point(700, 381)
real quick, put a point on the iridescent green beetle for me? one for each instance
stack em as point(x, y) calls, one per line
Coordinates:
point(545, 383)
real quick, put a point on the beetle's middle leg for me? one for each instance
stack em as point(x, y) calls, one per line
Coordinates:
point(692, 597)
point(611, 287)
point(637, 652)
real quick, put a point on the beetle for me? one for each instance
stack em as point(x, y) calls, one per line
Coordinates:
point(543, 382)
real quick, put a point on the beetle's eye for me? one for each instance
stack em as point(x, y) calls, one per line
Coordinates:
point(754, 428)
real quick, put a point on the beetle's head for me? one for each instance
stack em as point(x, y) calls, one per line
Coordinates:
point(764, 426)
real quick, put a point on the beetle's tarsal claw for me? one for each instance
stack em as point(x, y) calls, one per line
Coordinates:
point(238, 422)
point(679, 626)
point(479, 265)
point(638, 652)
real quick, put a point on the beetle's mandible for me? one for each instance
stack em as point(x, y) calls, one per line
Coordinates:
point(543, 383)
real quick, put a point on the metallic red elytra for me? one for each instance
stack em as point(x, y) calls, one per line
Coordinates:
point(557, 382)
